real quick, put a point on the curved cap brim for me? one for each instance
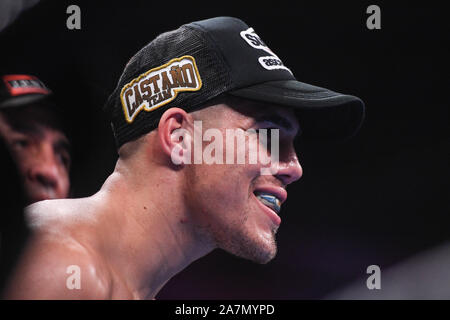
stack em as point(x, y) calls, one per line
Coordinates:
point(24, 100)
point(322, 113)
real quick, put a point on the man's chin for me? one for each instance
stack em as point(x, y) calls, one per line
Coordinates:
point(34, 196)
point(266, 258)
point(252, 244)
point(261, 253)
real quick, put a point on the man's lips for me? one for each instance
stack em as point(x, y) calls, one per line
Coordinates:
point(274, 217)
point(279, 192)
point(270, 199)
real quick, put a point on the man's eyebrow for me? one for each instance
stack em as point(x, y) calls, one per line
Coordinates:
point(62, 145)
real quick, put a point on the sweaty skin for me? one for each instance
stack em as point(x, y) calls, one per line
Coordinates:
point(152, 218)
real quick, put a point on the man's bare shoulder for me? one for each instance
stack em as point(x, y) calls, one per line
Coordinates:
point(56, 264)
point(54, 267)
point(49, 214)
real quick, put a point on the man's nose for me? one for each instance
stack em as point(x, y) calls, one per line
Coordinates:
point(289, 170)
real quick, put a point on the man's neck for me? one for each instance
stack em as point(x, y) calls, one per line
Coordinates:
point(150, 238)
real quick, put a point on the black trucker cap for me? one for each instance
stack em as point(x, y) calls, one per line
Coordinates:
point(188, 66)
point(22, 89)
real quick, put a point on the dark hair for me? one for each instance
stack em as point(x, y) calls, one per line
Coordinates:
point(13, 230)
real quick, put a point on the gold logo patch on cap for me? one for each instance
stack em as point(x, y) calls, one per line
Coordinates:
point(159, 86)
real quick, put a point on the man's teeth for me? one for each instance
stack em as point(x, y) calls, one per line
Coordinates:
point(270, 201)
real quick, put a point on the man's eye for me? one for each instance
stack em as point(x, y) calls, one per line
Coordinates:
point(65, 160)
point(265, 132)
point(20, 143)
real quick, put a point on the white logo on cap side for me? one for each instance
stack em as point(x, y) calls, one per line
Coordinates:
point(271, 62)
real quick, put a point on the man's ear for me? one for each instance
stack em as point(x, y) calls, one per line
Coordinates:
point(175, 131)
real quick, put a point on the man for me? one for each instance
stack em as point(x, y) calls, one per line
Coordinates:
point(167, 204)
point(32, 132)
point(30, 126)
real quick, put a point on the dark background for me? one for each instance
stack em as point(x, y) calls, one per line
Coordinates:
point(378, 199)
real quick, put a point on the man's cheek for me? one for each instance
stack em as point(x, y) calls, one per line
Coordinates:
point(22, 166)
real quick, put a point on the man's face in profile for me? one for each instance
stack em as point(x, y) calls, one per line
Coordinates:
point(236, 204)
point(41, 153)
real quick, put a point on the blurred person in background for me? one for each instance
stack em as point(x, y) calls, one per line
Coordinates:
point(32, 128)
